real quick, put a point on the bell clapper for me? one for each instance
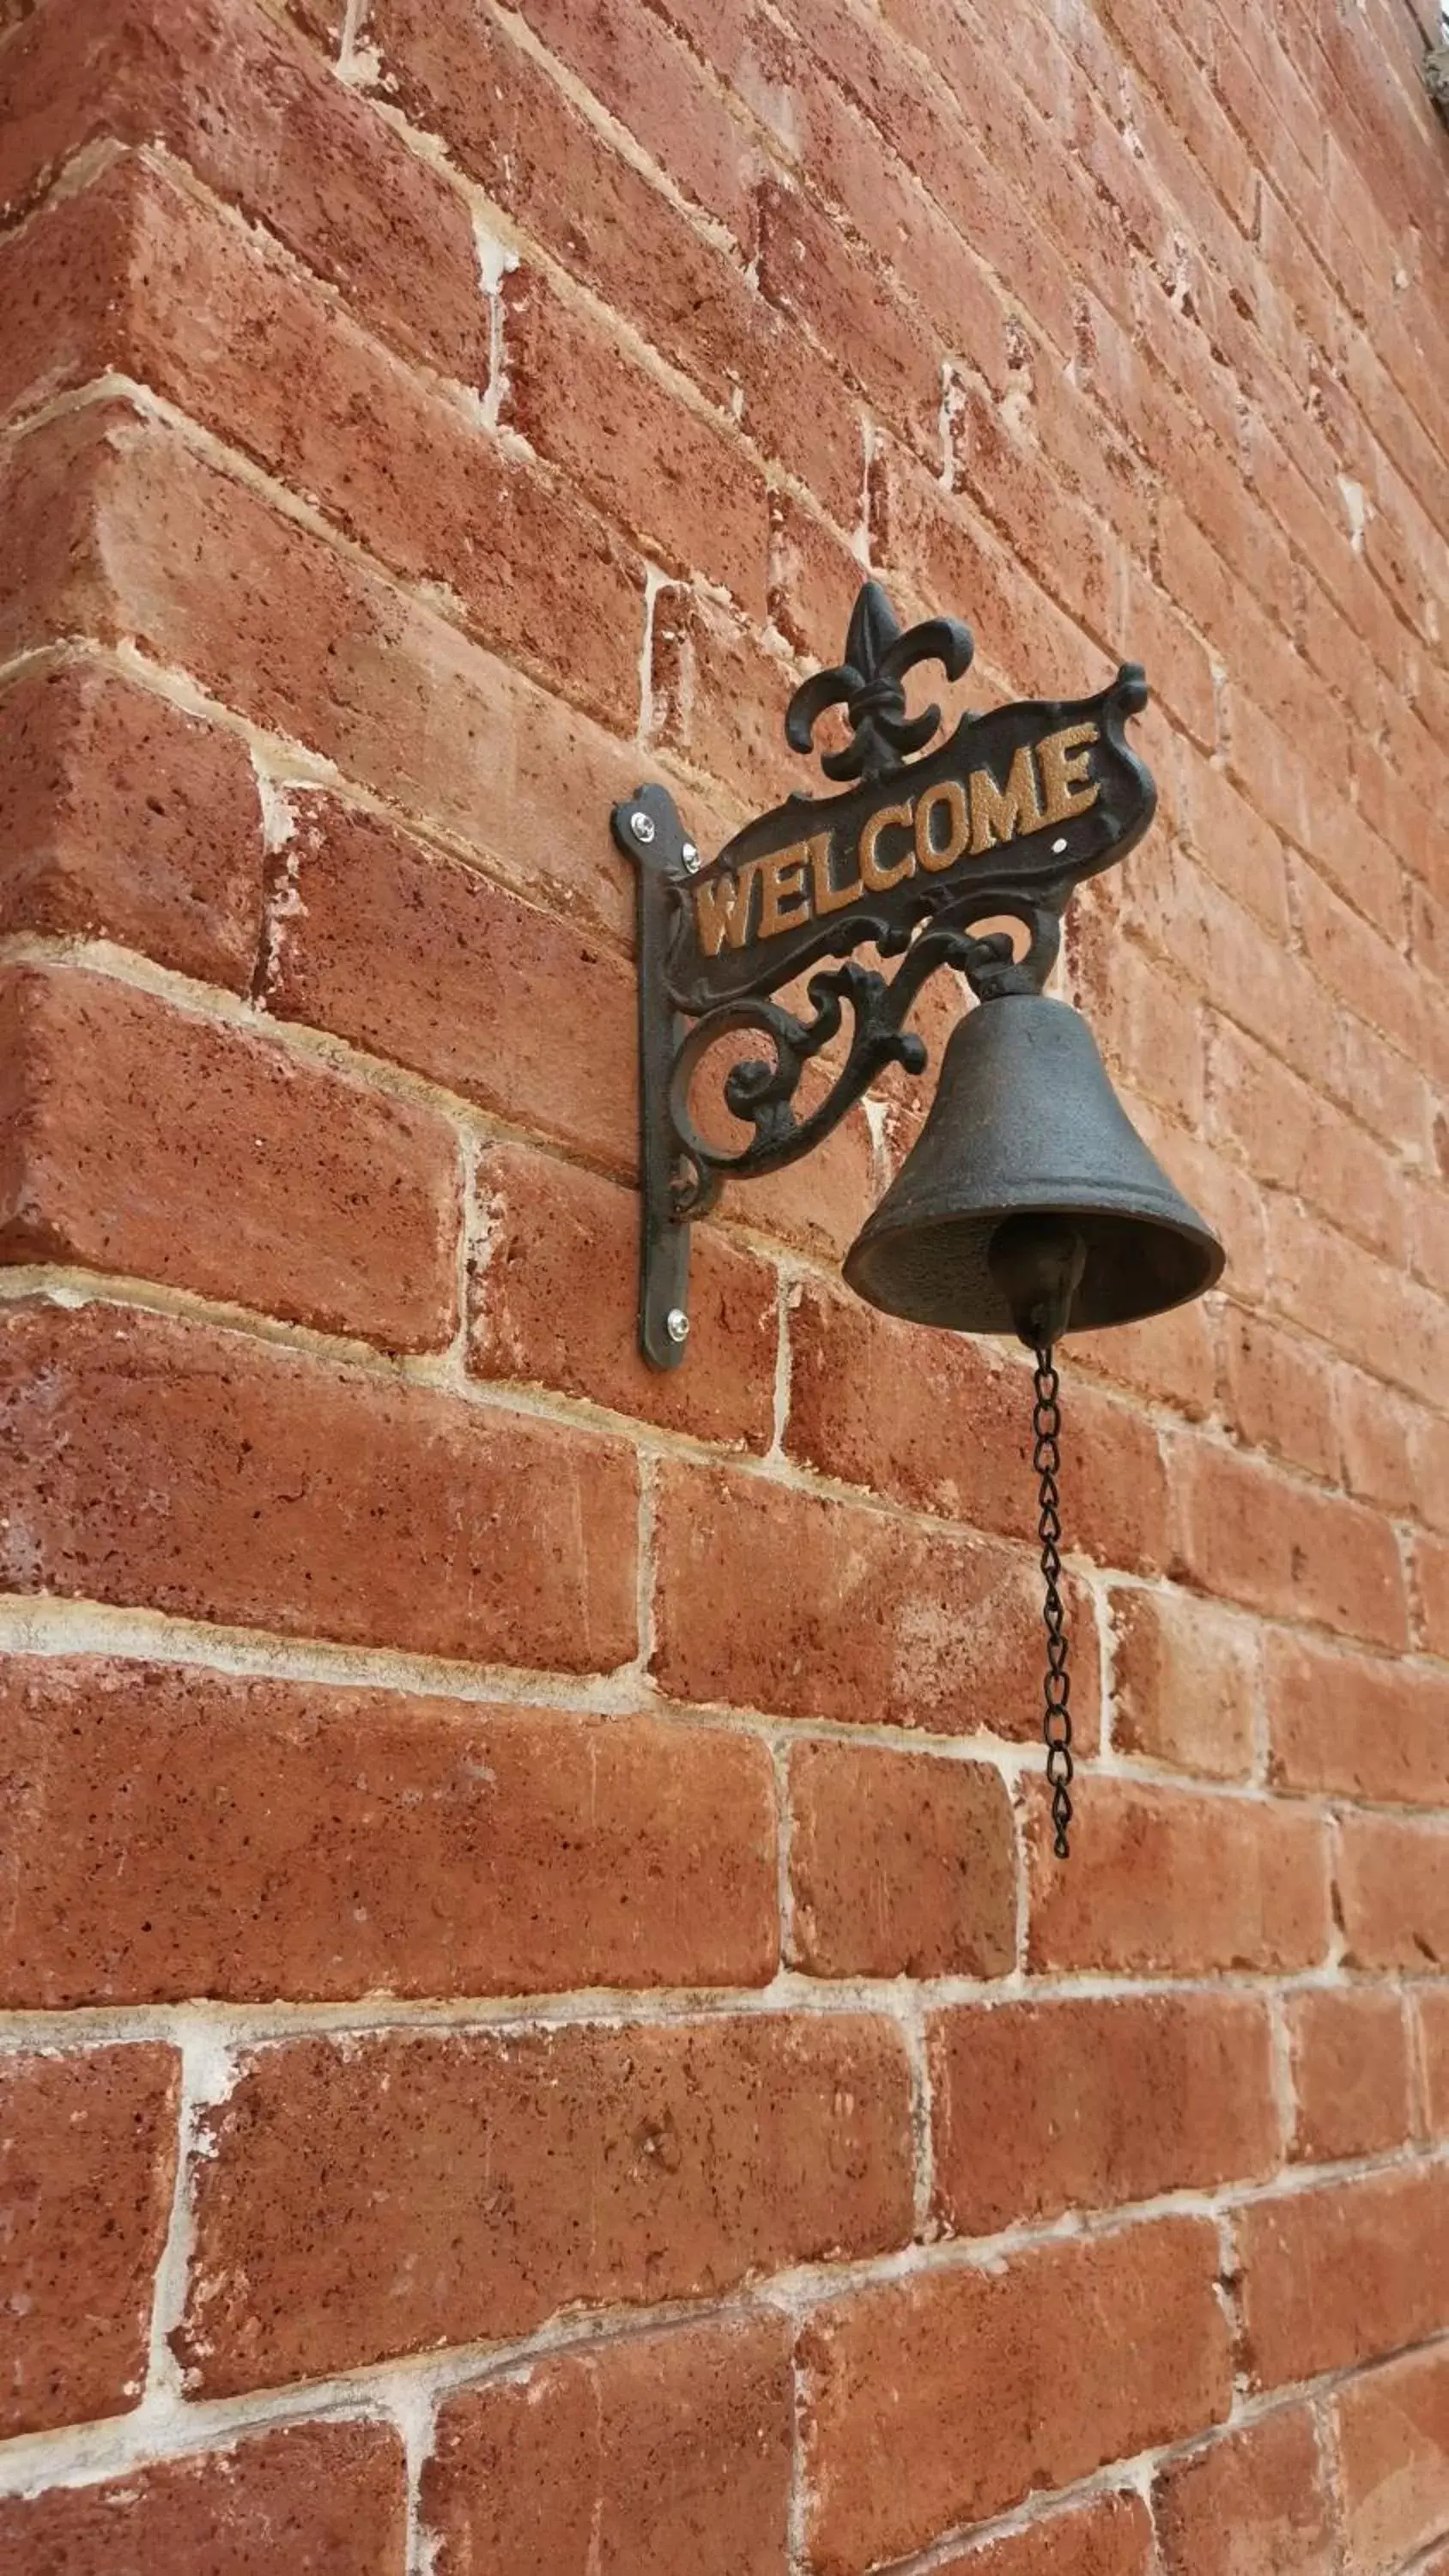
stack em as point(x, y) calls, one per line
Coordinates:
point(1037, 1262)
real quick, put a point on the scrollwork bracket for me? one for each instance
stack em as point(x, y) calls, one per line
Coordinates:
point(999, 822)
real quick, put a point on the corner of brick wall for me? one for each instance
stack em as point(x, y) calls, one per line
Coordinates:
point(538, 2026)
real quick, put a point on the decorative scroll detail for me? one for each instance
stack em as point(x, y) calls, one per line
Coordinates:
point(762, 1095)
point(868, 685)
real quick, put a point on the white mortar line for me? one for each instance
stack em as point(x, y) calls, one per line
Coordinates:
point(43, 1626)
point(790, 1994)
point(208, 2072)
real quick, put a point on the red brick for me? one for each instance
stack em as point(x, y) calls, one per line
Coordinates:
point(1331, 2278)
point(877, 339)
point(555, 1303)
point(1430, 2008)
point(1081, 442)
point(655, 2454)
point(942, 552)
point(1361, 967)
point(1279, 1394)
point(1163, 1881)
point(1393, 1894)
point(779, 1600)
point(1286, 1549)
point(643, 75)
point(1428, 1209)
point(1146, 1021)
point(184, 1150)
point(1374, 1315)
point(1350, 2073)
point(814, 579)
point(496, 1000)
point(512, 128)
point(54, 593)
point(1206, 134)
point(1112, 2537)
point(1378, 1431)
point(716, 691)
point(1429, 932)
point(136, 536)
point(938, 1421)
point(556, 1851)
point(943, 1424)
point(330, 2498)
point(1255, 79)
point(296, 384)
point(122, 819)
point(1230, 1200)
point(965, 166)
point(215, 1477)
point(87, 2164)
point(1252, 2503)
point(610, 2166)
point(988, 2383)
point(1430, 1579)
point(1179, 666)
point(1336, 650)
point(1007, 477)
point(263, 123)
point(1219, 945)
point(62, 278)
point(900, 1865)
point(1392, 2434)
point(821, 442)
point(1388, 1093)
point(322, 19)
point(1185, 1683)
point(1356, 1726)
point(677, 482)
point(1171, 1359)
point(1043, 2107)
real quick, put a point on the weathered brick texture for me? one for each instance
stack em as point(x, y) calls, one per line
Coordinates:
point(660, 2452)
point(1257, 2501)
point(613, 2165)
point(540, 2026)
point(988, 2382)
point(87, 2156)
point(323, 2496)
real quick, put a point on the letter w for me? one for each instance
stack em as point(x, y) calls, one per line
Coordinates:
point(722, 910)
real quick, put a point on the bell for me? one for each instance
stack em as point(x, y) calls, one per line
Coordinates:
point(1029, 1203)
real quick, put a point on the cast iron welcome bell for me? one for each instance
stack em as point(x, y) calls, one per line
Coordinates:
point(1029, 1204)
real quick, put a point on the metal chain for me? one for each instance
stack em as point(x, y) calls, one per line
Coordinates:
point(1046, 1459)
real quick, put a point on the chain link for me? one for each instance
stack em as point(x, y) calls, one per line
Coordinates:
point(1046, 1459)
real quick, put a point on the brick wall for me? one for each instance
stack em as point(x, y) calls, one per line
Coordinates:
point(541, 2032)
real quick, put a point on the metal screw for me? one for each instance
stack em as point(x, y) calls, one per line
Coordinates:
point(690, 856)
point(676, 1324)
point(642, 826)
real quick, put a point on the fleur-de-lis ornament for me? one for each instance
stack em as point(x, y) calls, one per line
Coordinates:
point(878, 654)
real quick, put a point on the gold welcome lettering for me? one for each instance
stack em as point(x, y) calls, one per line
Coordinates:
point(1003, 813)
point(1047, 783)
point(949, 800)
point(783, 880)
point(1065, 759)
point(879, 878)
point(722, 909)
point(828, 897)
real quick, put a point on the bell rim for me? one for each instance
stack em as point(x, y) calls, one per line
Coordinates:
point(1186, 1226)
